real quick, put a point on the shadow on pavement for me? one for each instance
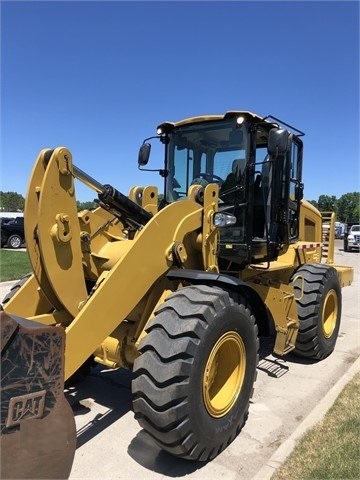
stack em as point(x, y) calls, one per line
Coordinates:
point(146, 453)
point(276, 366)
point(99, 385)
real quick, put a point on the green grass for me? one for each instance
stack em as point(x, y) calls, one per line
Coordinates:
point(13, 265)
point(331, 450)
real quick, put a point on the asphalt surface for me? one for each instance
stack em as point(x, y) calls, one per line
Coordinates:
point(290, 396)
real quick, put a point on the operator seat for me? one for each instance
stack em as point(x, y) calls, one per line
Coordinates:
point(233, 179)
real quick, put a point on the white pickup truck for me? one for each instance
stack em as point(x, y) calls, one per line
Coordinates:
point(353, 238)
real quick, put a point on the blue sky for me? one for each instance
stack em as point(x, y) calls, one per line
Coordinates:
point(98, 77)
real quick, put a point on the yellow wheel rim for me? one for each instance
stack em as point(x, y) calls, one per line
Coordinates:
point(329, 313)
point(224, 374)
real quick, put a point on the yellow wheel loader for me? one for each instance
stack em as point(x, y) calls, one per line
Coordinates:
point(176, 287)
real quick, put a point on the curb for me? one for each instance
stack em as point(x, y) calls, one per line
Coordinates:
point(281, 454)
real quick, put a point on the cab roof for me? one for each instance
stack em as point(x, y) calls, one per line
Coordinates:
point(167, 127)
point(248, 117)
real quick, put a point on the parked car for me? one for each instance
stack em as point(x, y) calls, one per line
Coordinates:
point(352, 238)
point(12, 232)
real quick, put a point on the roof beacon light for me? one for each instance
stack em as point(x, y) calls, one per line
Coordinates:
point(240, 120)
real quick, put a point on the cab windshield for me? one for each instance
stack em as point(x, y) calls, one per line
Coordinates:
point(209, 152)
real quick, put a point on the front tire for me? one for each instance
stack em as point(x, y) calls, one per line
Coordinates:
point(318, 296)
point(196, 372)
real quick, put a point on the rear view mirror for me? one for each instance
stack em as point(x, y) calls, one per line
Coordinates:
point(144, 154)
point(278, 141)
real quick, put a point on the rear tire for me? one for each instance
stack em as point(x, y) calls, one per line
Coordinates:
point(196, 372)
point(318, 293)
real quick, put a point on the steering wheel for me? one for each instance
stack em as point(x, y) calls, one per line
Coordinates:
point(211, 178)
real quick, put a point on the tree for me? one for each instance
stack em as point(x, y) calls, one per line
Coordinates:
point(11, 202)
point(315, 203)
point(89, 205)
point(349, 207)
point(327, 203)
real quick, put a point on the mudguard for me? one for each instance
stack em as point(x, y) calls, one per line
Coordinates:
point(38, 435)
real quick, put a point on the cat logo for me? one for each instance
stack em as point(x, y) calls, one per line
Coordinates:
point(25, 406)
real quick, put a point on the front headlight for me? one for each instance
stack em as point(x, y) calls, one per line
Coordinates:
point(222, 219)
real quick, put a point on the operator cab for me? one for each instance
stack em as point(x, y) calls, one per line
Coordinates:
point(257, 166)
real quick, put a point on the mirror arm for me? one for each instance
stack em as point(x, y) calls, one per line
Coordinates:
point(162, 172)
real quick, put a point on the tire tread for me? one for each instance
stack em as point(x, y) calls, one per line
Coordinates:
point(160, 399)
